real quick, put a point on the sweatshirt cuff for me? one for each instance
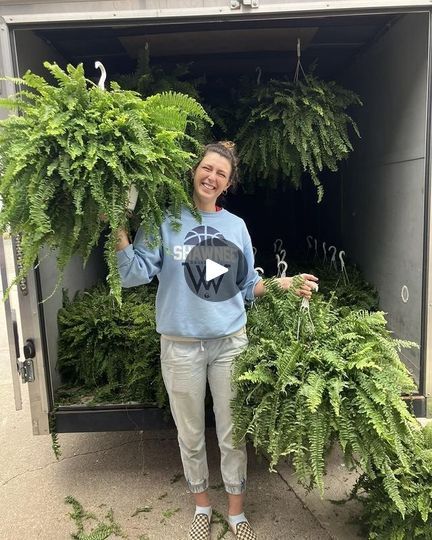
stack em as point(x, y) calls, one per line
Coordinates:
point(250, 296)
point(125, 255)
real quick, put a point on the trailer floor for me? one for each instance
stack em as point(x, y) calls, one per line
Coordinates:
point(130, 470)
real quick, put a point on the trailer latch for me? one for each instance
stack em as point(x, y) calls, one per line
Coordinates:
point(235, 4)
point(25, 369)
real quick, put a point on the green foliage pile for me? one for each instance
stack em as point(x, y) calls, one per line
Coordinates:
point(108, 350)
point(104, 529)
point(352, 292)
point(74, 152)
point(412, 517)
point(292, 128)
point(310, 378)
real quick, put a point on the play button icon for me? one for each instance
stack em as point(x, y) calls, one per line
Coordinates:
point(214, 270)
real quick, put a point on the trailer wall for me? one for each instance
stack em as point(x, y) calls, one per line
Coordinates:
point(384, 185)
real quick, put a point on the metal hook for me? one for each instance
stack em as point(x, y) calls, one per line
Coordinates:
point(309, 239)
point(333, 259)
point(325, 252)
point(254, 250)
point(299, 64)
point(282, 254)
point(277, 244)
point(284, 265)
point(259, 270)
point(343, 268)
point(101, 83)
point(259, 70)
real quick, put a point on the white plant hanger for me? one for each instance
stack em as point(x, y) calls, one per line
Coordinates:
point(282, 269)
point(343, 267)
point(324, 252)
point(277, 245)
point(333, 258)
point(133, 192)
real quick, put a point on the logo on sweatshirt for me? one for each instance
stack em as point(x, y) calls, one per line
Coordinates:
point(215, 269)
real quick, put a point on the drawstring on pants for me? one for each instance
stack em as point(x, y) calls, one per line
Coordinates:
point(202, 345)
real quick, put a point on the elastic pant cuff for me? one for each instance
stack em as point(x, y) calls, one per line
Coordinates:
point(236, 489)
point(197, 488)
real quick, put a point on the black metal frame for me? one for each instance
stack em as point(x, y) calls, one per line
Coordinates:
point(75, 419)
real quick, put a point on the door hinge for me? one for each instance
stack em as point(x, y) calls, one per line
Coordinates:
point(235, 4)
point(19, 259)
point(26, 371)
point(25, 368)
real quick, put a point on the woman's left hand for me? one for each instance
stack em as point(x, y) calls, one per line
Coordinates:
point(309, 285)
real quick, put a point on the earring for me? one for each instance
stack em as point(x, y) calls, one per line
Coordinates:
point(225, 191)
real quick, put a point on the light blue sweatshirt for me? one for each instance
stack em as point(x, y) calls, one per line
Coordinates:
point(180, 312)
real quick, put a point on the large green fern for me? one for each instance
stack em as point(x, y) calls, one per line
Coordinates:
point(311, 378)
point(398, 505)
point(73, 154)
point(292, 128)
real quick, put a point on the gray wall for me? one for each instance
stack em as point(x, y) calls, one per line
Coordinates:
point(384, 186)
point(33, 51)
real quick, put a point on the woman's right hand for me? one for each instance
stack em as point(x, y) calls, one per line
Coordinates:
point(122, 239)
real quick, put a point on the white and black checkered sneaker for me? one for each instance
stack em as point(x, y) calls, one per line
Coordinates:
point(244, 531)
point(200, 528)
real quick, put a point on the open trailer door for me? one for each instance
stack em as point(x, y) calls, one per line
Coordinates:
point(27, 365)
point(11, 330)
point(7, 88)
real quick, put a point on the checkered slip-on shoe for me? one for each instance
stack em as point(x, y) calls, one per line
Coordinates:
point(200, 528)
point(244, 531)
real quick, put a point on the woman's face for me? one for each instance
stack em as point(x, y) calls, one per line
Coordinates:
point(211, 178)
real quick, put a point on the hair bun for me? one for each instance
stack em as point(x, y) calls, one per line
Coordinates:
point(229, 145)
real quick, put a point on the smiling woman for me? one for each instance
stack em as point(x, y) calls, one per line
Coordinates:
point(211, 179)
point(202, 325)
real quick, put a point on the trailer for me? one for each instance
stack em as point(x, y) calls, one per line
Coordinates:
point(379, 209)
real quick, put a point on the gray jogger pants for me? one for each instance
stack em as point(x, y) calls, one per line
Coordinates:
point(186, 365)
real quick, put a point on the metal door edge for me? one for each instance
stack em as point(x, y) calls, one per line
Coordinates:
point(11, 327)
point(426, 344)
point(297, 8)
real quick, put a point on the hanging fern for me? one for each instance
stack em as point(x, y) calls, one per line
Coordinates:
point(309, 379)
point(150, 78)
point(75, 151)
point(292, 128)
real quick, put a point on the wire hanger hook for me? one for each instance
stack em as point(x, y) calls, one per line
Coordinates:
point(101, 83)
point(299, 64)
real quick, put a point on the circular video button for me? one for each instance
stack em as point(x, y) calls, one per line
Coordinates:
point(215, 269)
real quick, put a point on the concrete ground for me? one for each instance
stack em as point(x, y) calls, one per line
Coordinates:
point(127, 471)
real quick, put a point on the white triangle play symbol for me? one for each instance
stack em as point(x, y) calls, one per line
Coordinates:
point(214, 270)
